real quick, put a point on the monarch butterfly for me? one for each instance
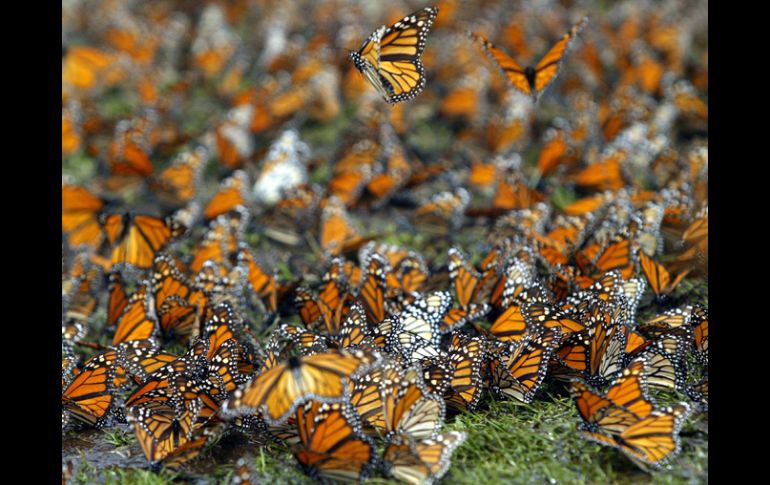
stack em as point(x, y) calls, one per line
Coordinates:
point(618, 255)
point(424, 461)
point(532, 81)
point(308, 341)
point(89, 396)
point(221, 239)
point(444, 210)
point(390, 57)
point(215, 283)
point(337, 235)
point(513, 193)
point(611, 287)
point(330, 444)
point(80, 216)
point(83, 67)
point(470, 286)
point(660, 280)
point(701, 334)
point(520, 373)
point(118, 300)
point(160, 430)
point(598, 352)
point(408, 277)
point(625, 399)
point(129, 152)
point(517, 285)
point(471, 290)
point(354, 170)
point(171, 291)
point(332, 304)
point(208, 373)
point(182, 381)
point(232, 139)
point(699, 391)
point(298, 202)
point(457, 317)
point(465, 383)
point(138, 320)
point(397, 169)
point(233, 192)
point(81, 303)
point(666, 356)
point(278, 391)
point(556, 151)
point(408, 273)
point(510, 325)
point(626, 419)
point(415, 331)
point(264, 285)
point(604, 174)
point(354, 333)
point(537, 312)
point(136, 238)
point(178, 183)
point(408, 408)
point(670, 319)
point(366, 397)
point(374, 287)
point(141, 358)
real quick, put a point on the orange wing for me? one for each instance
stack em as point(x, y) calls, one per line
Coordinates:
point(547, 69)
point(136, 239)
point(232, 193)
point(263, 284)
point(517, 75)
point(658, 277)
point(135, 323)
point(330, 446)
point(117, 301)
point(79, 216)
point(373, 289)
point(90, 395)
point(529, 80)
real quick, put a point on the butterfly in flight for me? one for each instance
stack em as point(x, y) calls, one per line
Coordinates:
point(390, 57)
point(531, 80)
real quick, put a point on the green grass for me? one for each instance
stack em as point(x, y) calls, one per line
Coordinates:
point(539, 443)
point(118, 437)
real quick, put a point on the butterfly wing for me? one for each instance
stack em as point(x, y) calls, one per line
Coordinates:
point(548, 68)
point(510, 68)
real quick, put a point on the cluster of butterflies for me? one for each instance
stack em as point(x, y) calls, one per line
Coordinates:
point(177, 320)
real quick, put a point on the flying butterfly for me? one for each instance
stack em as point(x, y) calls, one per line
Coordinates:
point(390, 57)
point(531, 80)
